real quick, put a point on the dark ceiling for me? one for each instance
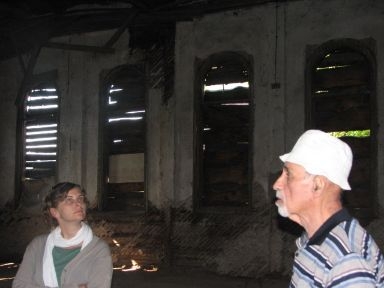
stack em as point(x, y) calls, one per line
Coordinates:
point(25, 24)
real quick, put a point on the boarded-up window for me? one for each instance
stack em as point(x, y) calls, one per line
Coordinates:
point(40, 132)
point(125, 138)
point(37, 141)
point(223, 121)
point(341, 102)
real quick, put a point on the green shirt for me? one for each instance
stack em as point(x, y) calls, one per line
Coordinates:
point(61, 257)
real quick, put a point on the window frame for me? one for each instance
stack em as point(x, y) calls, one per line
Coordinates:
point(103, 157)
point(365, 47)
point(201, 68)
point(35, 80)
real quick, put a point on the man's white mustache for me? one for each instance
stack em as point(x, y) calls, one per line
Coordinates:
point(279, 195)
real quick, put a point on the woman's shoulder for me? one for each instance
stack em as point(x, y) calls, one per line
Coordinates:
point(39, 239)
point(98, 246)
point(97, 241)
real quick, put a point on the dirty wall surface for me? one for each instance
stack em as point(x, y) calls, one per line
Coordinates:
point(222, 244)
point(250, 243)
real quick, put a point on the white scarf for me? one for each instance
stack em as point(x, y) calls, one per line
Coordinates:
point(84, 236)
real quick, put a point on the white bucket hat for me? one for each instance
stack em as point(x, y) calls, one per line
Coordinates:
point(322, 154)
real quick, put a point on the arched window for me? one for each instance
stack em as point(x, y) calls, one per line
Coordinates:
point(342, 102)
point(124, 139)
point(223, 121)
point(39, 121)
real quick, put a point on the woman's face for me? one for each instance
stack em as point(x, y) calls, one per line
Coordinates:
point(71, 209)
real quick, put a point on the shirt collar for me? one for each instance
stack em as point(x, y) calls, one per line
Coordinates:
point(319, 236)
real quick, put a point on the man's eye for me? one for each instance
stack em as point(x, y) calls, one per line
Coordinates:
point(287, 174)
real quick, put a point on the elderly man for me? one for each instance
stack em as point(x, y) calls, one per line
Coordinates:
point(334, 250)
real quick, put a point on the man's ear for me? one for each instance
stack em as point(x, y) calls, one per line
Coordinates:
point(319, 184)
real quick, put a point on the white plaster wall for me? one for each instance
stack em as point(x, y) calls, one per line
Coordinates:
point(251, 33)
point(315, 22)
point(279, 113)
point(78, 85)
point(245, 31)
point(160, 150)
point(84, 77)
point(124, 168)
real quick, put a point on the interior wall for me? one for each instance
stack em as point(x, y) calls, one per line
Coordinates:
point(298, 24)
point(277, 47)
point(78, 85)
point(125, 168)
point(160, 150)
point(305, 26)
point(10, 78)
point(231, 31)
point(251, 33)
point(279, 112)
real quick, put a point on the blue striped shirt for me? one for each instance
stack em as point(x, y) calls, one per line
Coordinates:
point(340, 254)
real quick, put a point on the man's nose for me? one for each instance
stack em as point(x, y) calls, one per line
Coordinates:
point(277, 184)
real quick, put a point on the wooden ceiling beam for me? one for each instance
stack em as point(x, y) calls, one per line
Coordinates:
point(84, 48)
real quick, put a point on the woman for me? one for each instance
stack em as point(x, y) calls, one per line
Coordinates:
point(69, 256)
